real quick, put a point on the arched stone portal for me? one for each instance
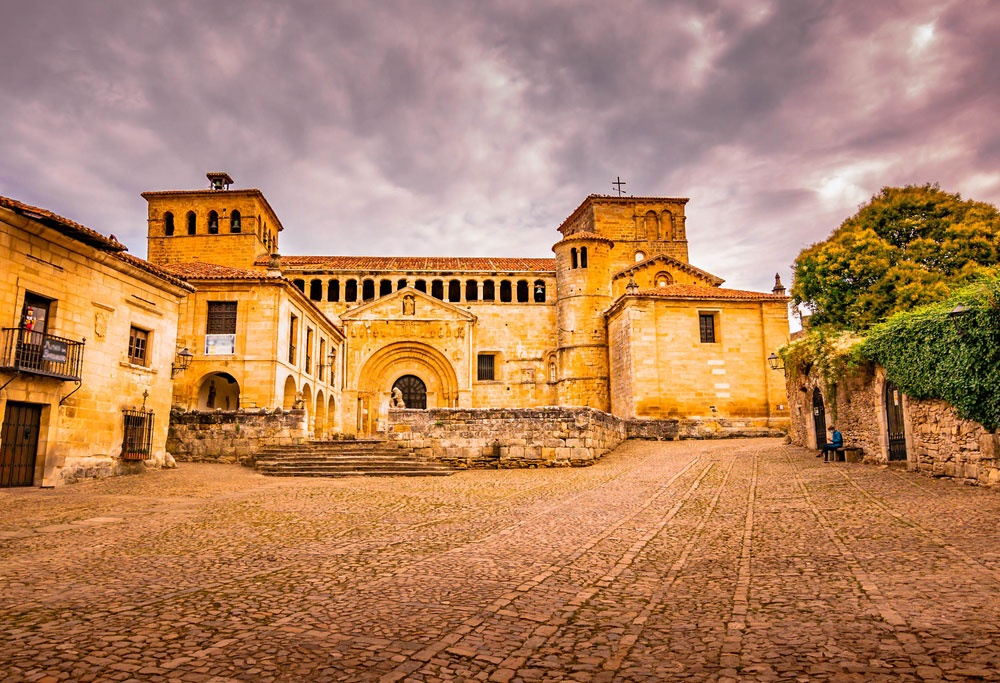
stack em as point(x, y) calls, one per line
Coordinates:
point(394, 361)
point(219, 391)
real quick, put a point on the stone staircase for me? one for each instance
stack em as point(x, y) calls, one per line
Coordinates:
point(347, 458)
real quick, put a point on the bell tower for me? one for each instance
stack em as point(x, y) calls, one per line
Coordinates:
point(218, 225)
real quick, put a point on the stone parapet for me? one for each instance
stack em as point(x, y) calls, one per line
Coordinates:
point(507, 438)
point(231, 436)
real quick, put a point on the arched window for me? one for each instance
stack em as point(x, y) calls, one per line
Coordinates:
point(663, 279)
point(168, 224)
point(667, 226)
point(385, 287)
point(639, 255)
point(191, 222)
point(471, 290)
point(539, 291)
point(522, 291)
point(454, 290)
point(572, 258)
point(420, 286)
point(300, 284)
point(368, 290)
point(351, 290)
point(552, 371)
point(316, 290)
point(583, 257)
point(437, 289)
point(414, 391)
point(333, 290)
point(650, 224)
point(401, 284)
point(489, 291)
point(213, 223)
point(505, 293)
point(235, 222)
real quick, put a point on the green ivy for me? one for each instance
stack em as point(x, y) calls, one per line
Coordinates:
point(928, 353)
point(831, 353)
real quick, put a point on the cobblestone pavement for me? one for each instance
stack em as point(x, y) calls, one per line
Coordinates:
point(686, 561)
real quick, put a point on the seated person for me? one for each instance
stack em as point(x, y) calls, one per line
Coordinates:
point(836, 442)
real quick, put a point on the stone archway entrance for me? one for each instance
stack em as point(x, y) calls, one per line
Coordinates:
point(219, 391)
point(392, 363)
point(894, 422)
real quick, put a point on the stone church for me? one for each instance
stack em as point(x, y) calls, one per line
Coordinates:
point(617, 320)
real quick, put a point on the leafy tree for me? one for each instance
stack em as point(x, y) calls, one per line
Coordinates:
point(906, 247)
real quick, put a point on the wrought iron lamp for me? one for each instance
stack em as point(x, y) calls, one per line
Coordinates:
point(957, 316)
point(181, 362)
point(775, 361)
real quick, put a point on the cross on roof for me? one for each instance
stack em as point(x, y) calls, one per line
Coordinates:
point(618, 186)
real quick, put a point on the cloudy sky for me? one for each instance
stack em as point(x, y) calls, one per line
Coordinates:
point(432, 127)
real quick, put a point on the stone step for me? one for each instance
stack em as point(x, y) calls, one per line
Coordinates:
point(349, 458)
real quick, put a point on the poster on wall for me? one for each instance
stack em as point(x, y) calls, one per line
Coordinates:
point(220, 344)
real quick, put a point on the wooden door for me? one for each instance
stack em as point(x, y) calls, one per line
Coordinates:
point(19, 443)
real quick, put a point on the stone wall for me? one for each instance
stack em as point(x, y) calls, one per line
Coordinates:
point(507, 438)
point(232, 436)
point(938, 442)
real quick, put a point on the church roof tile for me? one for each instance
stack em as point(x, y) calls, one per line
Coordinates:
point(416, 263)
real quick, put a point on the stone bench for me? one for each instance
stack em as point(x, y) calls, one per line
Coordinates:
point(847, 454)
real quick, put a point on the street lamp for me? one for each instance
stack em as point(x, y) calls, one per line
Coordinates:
point(181, 363)
point(775, 361)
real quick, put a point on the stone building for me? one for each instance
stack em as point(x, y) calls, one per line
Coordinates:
point(618, 320)
point(88, 345)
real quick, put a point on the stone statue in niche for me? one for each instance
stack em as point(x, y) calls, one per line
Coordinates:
point(409, 305)
point(397, 398)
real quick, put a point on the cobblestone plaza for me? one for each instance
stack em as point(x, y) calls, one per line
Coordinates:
point(690, 561)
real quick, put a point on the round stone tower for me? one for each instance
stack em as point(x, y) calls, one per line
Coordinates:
point(583, 294)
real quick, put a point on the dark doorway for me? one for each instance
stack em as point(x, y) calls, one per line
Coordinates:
point(19, 443)
point(894, 422)
point(819, 418)
point(414, 391)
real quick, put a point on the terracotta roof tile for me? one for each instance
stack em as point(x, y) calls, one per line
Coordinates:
point(210, 271)
point(158, 271)
point(684, 291)
point(416, 263)
point(64, 225)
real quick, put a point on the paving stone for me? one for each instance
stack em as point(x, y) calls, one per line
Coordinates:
point(690, 561)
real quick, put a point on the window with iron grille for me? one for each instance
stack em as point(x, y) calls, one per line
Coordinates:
point(137, 442)
point(485, 370)
point(221, 317)
point(138, 340)
point(706, 324)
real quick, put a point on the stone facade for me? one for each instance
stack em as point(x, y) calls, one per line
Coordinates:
point(488, 332)
point(502, 438)
point(100, 340)
point(232, 436)
point(937, 442)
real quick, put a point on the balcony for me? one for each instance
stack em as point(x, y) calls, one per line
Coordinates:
point(36, 353)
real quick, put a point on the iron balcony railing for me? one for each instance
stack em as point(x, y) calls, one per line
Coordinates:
point(37, 353)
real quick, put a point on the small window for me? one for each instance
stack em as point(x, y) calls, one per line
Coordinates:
point(213, 223)
point(486, 367)
point(572, 258)
point(489, 291)
point(351, 290)
point(221, 317)
point(454, 290)
point(138, 340)
point(309, 350)
point(368, 290)
point(192, 222)
point(505, 291)
point(583, 257)
point(316, 290)
point(639, 255)
point(293, 337)
point(300, 285)
point(420, 286)
point(168, 224)
point(333, 290)
point(385, 287)
point(706, 324)
point(471, 290)
point(437, 289)
point(401, 284)
point(235, 222)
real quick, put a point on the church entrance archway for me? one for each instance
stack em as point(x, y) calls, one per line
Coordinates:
point(393, 362)
point(414, 391)
point(219, 391)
